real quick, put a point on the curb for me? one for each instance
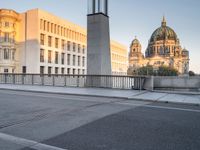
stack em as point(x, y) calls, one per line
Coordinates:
point(177, 92)
point(73, 94)
point(102, 96)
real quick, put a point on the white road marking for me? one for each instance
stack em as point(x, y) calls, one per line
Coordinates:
point(159, 107)
point(27, 143)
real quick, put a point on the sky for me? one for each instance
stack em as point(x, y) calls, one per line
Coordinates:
point(130, 18)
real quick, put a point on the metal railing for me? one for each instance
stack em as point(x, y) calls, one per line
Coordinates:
point(98, 81)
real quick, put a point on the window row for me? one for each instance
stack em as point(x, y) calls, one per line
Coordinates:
point(60, 58)
point(57, 70)
point(7, 37)
point(61, 30)
point(7, 24)
point(60, 43)
point(7, 54)
point(118, 57)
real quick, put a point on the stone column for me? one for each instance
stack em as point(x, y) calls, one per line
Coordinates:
point(98, 42)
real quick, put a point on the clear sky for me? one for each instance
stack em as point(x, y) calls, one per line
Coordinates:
point(130, 18)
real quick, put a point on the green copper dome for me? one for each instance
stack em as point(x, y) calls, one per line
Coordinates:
point(163, 33)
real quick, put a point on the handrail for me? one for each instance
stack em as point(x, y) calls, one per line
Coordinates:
point(98, 81)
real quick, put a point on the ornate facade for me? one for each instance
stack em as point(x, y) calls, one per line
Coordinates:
point(9, 40)
point(163, 49)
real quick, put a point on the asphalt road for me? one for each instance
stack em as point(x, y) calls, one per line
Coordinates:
point(38, 121)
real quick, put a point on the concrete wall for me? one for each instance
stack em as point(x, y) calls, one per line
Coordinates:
point(176, 83)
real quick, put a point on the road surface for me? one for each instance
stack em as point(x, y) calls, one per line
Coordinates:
point(39, 121)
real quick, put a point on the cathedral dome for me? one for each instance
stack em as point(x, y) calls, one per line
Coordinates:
point(163, 33)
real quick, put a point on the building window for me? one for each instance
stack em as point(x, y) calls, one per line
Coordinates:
point(41, 55)
point(74, 60)
point(83, 62)
point(79, 60)
point(78, 71)
point(74, 71)
point(56, 70)
point(68, 46)
point(44, 25)
point(6, 53)
point(74, 47)
point(61, 31)
point(6, 24)
point(56, 42)
point(79, 48)
point(63, 70)
point(42, 36)
point(49, 41)
point(49, 70)
point(68, 70)
point(56, 57)
point(6, 37)
point(49, 56)
point(6, 71)
point(63, 58)
point(83, 49)
point(68, 59)
point(83, 72)
point(41, 69)
point(63, 44)
point(13, 54)
point(24, 69)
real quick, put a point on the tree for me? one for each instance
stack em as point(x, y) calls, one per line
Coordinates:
point(161, 71)
point(191, 73)
point(146, 70)
point(167, 71)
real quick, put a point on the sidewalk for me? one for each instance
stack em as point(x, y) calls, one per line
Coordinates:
point(111, 93)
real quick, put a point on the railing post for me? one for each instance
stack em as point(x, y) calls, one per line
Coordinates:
point(53, 80)
point(42, 78)
point(32, 76)
point(140, 83)
point(13, 78)
point(22, 78)
point(65, 80)
point(123, 78)
point(152, 82)
point(77, 81)
point(5, 78)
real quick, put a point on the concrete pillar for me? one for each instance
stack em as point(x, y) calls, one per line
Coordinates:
point(98, 42)
point(98, 53)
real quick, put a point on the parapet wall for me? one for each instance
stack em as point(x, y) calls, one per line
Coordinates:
point(173, 83)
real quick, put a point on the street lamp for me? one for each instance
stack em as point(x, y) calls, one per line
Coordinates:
point(98, 6)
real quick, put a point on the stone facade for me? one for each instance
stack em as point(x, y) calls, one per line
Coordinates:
point(119, 58)
point(38, 42)
point(9, 40)
point(164, 49)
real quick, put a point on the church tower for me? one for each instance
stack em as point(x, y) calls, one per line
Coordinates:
point(135, 55)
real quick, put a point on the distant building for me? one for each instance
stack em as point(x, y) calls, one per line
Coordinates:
point(164, 49)
point(119, 58)
point(39, 42)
